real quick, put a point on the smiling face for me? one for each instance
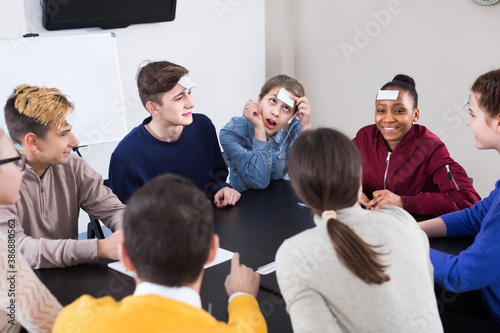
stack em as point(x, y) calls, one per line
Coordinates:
point(485, 128)
point(55, 148)
point(275, 113)
point(176, 107)
point(10, 174)
point(394, 118)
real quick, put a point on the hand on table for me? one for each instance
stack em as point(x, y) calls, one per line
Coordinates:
point(382, 198)
point(226, 196)
point(108, 248)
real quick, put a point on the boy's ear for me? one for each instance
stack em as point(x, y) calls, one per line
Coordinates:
point(214, 246)
point(124, 257)
point(151, 107)
point(31, 142)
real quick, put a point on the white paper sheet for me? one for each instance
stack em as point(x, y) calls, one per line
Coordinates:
point(221, 256)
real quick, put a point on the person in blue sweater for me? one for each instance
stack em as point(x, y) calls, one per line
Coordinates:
point(475, 272)
point(172, 139)
point(258, 143)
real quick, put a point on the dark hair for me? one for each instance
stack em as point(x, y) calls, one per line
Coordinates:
point(405, 83)
point(488, 88)
point(168, 227)
point(325, 171)
point(31, 109)
point(291, 84)
point(156, 78)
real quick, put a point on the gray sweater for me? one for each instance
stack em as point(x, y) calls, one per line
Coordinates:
point(323, 295)
point(46, 217)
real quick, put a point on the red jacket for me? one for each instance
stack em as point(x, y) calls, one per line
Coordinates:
point(420, 170)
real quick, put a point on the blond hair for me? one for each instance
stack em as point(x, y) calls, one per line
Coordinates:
point(49, 106)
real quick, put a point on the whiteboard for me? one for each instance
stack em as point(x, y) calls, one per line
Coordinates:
point(84, 67)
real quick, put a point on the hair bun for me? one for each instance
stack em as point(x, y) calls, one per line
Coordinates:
point(404, 78)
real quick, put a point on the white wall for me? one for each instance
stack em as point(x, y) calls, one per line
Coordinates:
point(221, 43)
point(443, 45)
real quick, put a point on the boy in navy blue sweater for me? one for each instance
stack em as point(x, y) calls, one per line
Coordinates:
point(171, 140)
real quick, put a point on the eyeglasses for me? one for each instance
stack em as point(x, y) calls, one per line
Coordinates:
point(20, 161)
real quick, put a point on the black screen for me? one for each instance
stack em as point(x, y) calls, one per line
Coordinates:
point(107, 14)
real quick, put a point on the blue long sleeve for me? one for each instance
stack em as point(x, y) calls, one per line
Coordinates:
point(254, 163)
point(477, 268)
point(196, 155)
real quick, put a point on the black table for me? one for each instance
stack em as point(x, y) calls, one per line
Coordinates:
point(255, 228)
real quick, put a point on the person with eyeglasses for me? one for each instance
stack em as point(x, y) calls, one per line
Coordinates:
point(24, 300)
point(19, 160)
point(56, 185)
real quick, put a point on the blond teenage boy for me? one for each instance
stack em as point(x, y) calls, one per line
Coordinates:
point(55, 186)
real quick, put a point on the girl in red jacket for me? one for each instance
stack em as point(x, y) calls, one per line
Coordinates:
point(406, 165)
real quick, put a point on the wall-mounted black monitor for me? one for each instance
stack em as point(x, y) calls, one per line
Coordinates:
point(107, 14)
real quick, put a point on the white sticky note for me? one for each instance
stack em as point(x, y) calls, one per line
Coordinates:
point(388, 94)
point(71, 118)
point(18, 146)
point(186, 82)
point(284, 96)
point(465, 103)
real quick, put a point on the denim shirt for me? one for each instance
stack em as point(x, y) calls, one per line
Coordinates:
point(254, 163)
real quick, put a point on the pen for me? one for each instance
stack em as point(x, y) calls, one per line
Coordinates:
point(302, 204)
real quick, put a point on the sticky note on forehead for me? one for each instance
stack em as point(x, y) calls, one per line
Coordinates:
point(284, 96)
point(18, 146)
point(70, 119)
point(388, 94)
point(186, 82)
point(466, 103)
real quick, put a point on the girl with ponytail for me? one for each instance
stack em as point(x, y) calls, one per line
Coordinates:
point(357, 270)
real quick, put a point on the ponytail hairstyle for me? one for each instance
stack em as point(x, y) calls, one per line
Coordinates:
point(487, 86)
point(405, 83)
point(325, 171)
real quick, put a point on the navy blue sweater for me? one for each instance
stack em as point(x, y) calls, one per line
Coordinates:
point(196, 155)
